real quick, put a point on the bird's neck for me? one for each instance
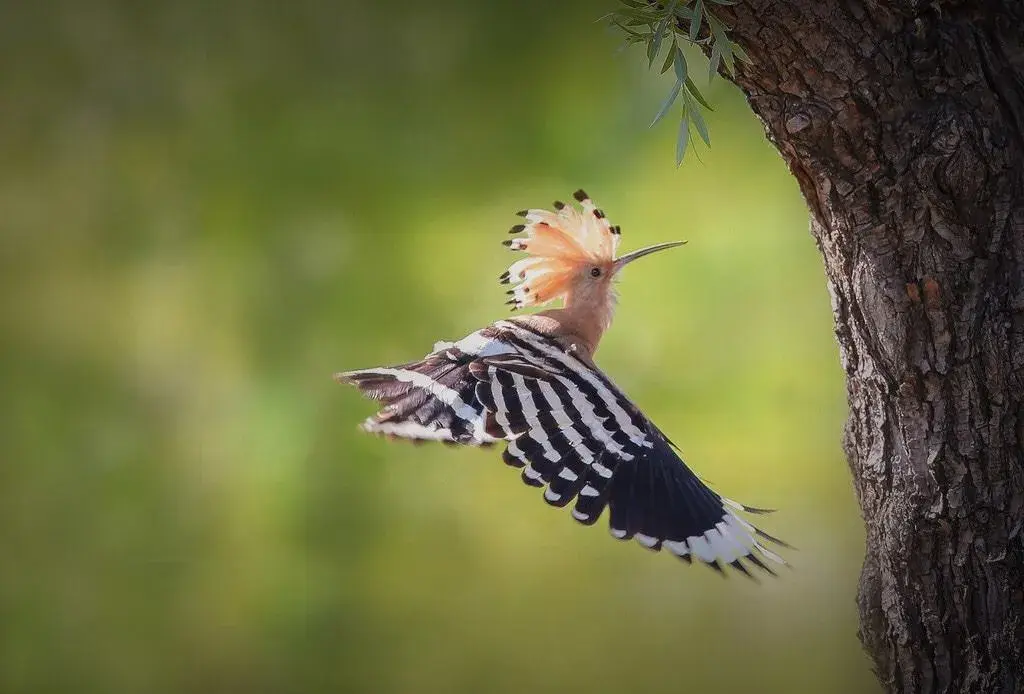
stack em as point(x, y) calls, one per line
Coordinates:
point(581, 323)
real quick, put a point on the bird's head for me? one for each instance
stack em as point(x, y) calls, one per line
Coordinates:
point(571, 255)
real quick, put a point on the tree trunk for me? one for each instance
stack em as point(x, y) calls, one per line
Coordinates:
point(904, 124)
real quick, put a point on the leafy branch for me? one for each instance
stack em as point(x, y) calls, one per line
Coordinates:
point(661, 27)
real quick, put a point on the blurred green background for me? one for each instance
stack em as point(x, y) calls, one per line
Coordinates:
point(208, 208)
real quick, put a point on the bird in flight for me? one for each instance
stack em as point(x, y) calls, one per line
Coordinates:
point(530, 382)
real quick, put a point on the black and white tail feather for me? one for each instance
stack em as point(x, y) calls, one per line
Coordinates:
point(571, 431)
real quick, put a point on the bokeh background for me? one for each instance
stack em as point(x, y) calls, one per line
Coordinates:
point(208, 208)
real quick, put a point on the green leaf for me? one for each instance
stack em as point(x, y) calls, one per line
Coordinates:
point(655, 46)
point(716, 58)
point(692, 88)
point(645, 14)
point(669, 59)
point(698, 122)
point(672, 96)
point(681, 74)
point(716, 25)
point(740, 53)
point(684, 13)
point(654, 21)
point(631, 32)
point(717, 30)
point(727, 58)
point(695, 20)
point(683, 139)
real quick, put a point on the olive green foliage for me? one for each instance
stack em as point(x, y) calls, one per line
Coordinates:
point(208, 208)
point(660, 26)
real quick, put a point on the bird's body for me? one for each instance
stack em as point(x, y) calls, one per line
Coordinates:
point(531, 382)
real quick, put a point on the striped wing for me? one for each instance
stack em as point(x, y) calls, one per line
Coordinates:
point(571, 431)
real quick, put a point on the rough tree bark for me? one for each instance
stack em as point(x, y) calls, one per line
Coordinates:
point(904, 124)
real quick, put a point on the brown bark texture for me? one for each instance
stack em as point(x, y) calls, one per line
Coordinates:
point(903, 123)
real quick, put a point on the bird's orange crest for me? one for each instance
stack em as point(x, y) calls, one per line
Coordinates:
point(558, 244)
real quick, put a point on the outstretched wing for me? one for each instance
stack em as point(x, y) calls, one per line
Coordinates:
point(433, 399)
point(571, 431)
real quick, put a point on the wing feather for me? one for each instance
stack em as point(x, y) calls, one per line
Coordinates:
point(572, 432)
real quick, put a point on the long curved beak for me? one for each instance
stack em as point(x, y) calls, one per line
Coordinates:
point(630, 257)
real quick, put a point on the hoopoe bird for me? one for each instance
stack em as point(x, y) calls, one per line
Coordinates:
point(531, 383)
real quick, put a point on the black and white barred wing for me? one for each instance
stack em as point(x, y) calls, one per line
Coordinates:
point(571, 431)
point(574, 431)
point(433, 399)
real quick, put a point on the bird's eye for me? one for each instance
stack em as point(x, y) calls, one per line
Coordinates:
point(595, 272)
